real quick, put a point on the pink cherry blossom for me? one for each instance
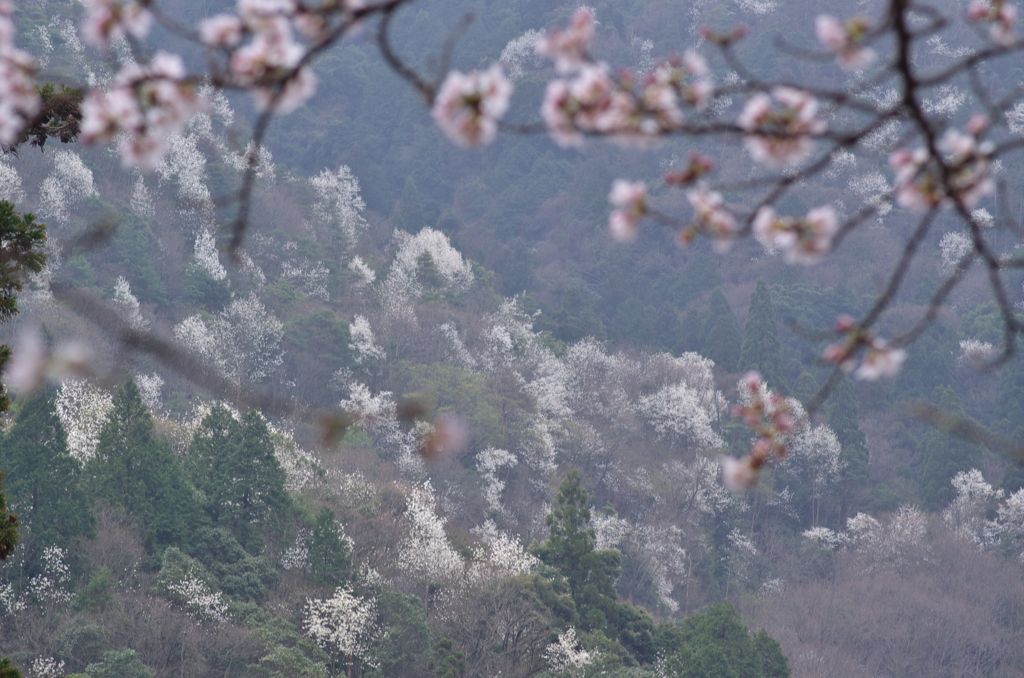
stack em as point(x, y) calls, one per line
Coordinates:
point(880, 360)
point(569, 47)
point(18, 97)
point(710, 217)
point(917, 188)
point(107, 20)
point(469, 105)
point(1000, 13)
point(144, 108)
point(845, 40)
point(631, 200)
point(803, 241)
point(222, 30)
point(738, 475)
point(780, 135)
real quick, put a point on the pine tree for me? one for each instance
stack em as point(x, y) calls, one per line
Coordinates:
point(843, 419)
point(241, 483)
point(945, 455)
point(761, 349)
point(590, 574)
point(135, 469)
point(45, 482)
point(9, 523)
point(330, 558)
point(722, 338)
point(21, 252)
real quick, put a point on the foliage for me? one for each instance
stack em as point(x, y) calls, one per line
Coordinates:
point(136, 469)
point(9, 523)
point(46, 484)
point(122, 664)
point(21, 253)
point(761, 349)
point(715, 643)
point(329, 553)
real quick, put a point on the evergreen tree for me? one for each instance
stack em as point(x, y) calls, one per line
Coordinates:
point(21, 252)
point(761, 349)
point(722, 339)
point(262, 501)
point(944, 455)
point(123, 664)
point(135, 469)
point(805, 387)
point(329, 554)
point(45, 487)
point(716, 644)
point(7, 670)
point(590, 574)
point(241, 483)
point(211, 459)
point(843, 419)
point(1010, 400)
point(8, 525)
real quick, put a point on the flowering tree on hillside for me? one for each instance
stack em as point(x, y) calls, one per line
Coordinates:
point(895, 118)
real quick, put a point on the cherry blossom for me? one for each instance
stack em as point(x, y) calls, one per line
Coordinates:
point(146, 106)
point(782, 134)
point(710, 218)
point(18, 97)
point(569, 47)
point(343, 624)
point(107, 20)
point(581, 105)
point(879, 359)
point(567, 654)
point(631, 200)
point(845, 40)
point(469, 106)
point(1000, 13)
point(803, 241)
point(773, 419)
point(221, 30)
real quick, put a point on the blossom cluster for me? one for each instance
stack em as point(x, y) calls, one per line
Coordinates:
point(771, 418)
point(594, 102)
point(18, 97)
point(879, 360)
point(780, 128)
point(804, 240)
point(630, 201)
point(567, 653)
point(468, 106)
point(845, 40)
point(109, 20)
point(1002, 16)
point(143, 109)
point(343, 624)
point(271, 64)
point(965, 175)
point(198, 601)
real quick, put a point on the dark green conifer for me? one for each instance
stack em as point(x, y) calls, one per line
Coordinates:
point(722, 339)
point(944, 455)
point(135, 469)
point(843, 419)
point(9, 523)
point(44, 488)
point(761, 349)
point(715, 643)
point(241, 483)
point(329, 554)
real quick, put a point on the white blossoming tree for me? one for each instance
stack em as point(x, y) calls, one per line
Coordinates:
point(343, 625)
